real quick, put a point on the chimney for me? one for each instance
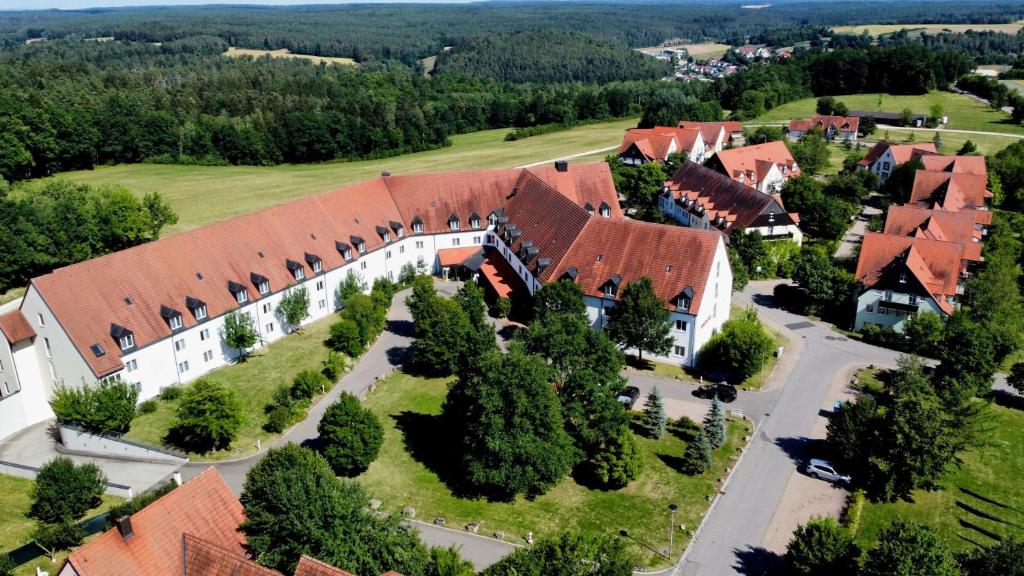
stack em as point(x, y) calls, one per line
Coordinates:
point(561, 166)
point(177, 478)
point(124, 526)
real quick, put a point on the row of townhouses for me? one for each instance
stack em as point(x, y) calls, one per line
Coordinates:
point(929, 246)
point(153, 315)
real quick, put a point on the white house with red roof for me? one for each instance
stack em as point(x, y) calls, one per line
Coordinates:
point(153, 315)
point(643, 145)
point(764, 167)
point(832, 127)
point(716, 135)
point(884, 157)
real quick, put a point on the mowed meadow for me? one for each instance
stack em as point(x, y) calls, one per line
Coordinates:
point(204, 194)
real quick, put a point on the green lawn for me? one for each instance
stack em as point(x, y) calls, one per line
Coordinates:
point(15, 525)
point(950, 141)
point(255, 381)
point(981, 501)
point(204, 194)
point(408, 406)
point(964, 113)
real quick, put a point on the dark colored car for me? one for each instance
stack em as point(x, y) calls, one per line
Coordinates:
point(628, 396)
point(723, 390)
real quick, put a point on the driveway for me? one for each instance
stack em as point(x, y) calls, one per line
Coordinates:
point(730, 540)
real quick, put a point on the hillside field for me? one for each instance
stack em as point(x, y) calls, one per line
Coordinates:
point(964, 112)
point(204, 194)
point(878, 29)
point(285, 53)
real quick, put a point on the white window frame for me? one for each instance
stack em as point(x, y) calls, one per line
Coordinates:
point(204, 334)
point(183, 366)
point(201, 312)
point(131, 365)
point(300, 273)
point(175, 322)
point(127, 341)
point(242, 296)
point(179, 345)
point(317, 266)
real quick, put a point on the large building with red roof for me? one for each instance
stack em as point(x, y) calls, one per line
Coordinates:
point(831, 127)
point(153, 315)
point(764, 167)
point(884, 157)
point(717, 135)
point(643, 145)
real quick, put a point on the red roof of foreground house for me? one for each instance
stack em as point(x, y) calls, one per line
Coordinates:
point(935, 264)
point(901, 153)
point(961, 164)
point(840, 123)
point(94, 299)
point(203, 507)
point(754, 162)
point(15, 327)
point(205, 559)
point(936, 225)
point(950, 191)
point(312, 567)
point(656, 143)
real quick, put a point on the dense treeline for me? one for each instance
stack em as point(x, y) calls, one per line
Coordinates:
point(548, 56)
point(407, 33)
point(72, 104)
point(986, 47)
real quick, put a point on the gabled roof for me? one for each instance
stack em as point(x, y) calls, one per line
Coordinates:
point(960, 164)
point(936, 225)
point(710, 130)
point(901, 153)
point(15, 327)
point(89, 296)
point(950, 191)
point(205, 559)
point(203, 507)
point(840, 123)
point(312, 567)
point(935, 264)
point(750, 161)
point(656, 142)
point(740, 204)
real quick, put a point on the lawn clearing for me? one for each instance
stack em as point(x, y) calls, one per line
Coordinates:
point(255, 382)
point(204, 194)
point(980, 502)
point(878, 29)
point(15, 526)
point(964, 112)
point(408, 406)
point(285, 53)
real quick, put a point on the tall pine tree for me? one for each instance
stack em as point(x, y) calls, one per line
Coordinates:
point(714, 424)
point(697, 457)
point(654, 414)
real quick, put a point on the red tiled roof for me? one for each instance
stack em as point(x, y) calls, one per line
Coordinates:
point(901, 153)
point(740, 204)
point(204, 507)
point(950, 191)
point(500, 274)
point(961, 164)
point(455, 256)
point(753, 161)
point(936, 225)
point(840, 123)
point(710, 130)
point(655, 142)
point(15, 327)
point(128, 288)
point(935, 264)
point(312, 567)
point(205, 559)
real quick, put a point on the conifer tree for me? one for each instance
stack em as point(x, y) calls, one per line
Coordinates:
point(654, 414)
point(697, 457)
point(714, 424)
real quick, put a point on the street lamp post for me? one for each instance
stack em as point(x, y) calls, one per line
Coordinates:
point(671, 526)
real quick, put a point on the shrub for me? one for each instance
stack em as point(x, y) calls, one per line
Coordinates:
point(7, 565)
point(350, 436)
point(619, 462)
point(64, 492)
point(345, 338)
point(106, 407)
point(822, 546)
point(170, 393)
point(382, 292)
point(209, 417)
point(147, 407)
point(278, 419)
point(367, 314)
point(502, 307)
point(308, 384)
point(333, 366)
point(740, 348)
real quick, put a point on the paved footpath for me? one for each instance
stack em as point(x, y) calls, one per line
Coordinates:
point(730, 541)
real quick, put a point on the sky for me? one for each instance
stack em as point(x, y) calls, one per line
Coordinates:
point(75, 4)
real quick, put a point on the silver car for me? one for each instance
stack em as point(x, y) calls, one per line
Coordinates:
point(824, 470)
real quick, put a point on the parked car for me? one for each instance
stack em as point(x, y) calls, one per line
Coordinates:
point(628, 396)
point(824, 470)
point(723, 390)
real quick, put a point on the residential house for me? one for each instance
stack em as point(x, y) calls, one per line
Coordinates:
point(884, 157)
point(153, 315)
point(951, 191)
point(762, 166)
point(699, 197)
point(643, 145)
point(193, 530)
point(832, 127)
point(717, 135)
point(919, 222)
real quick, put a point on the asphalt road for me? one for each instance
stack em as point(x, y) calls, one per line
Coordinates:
point(730, 539)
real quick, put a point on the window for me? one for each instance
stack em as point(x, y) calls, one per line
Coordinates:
point(361, 247)
point(605, 211)
point(387, 237)
point(476, 239)
point(242, 296)
point(455, 242)
point(885, 166)
point(1, 365)
point(475, 223)
point(179, 344)
point(680, 350)
point(883, 310)
point(127, 341)
point(317, 266)
point(9, 389)
point(131, 365)
point(453, 224)
point(200, 312)
point(319, 284)
point(39, 318)
point(270, 327)
point(419, 244)
point(871, 308)
point(609, 290)
point(492, 219)
point(387, 255)
point(208, 355)
point(183, 366)
point(322, 304)
point(204, 334)
point(771, 217)
point(362, 265)
point(681, 325)
point(401, 249)
point(604, 318)
point(265, 286)
point(913, 299)
point(888, 295)
point(417, 227)
point(175, 322)
point(266, 308)
point(300, 273)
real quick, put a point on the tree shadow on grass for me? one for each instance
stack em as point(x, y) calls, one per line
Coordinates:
point(756, 561)
point(672, 461)
point(969, 541)
point(427, 442)
point(982, 514)
point(984, 498)
point(1007, 399)
point(637, 363)
point(987, 533)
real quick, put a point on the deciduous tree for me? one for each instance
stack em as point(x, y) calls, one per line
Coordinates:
point(639, 320)
point(350, 436)
point(571, 554)
point(64, 492)
point(908, 549)
point(822, 546)
point(239, 332)
point(209, 417)
point(294, 306)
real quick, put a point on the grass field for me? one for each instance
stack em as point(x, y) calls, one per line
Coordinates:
point(15, 525)
point(964, 112)
point(878, 29)
point(951, 141)
point(980, 502)
point(285, 53)
point(408, 406)
point(204, 194)
point(255, 382)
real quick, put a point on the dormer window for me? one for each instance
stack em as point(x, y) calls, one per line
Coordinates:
point(453, 222)
point(771, 217)
point(606, 210)
point(611, 287)
point(175, 322)
point(589, 208)
point(344, 249)
point(417, 225)
point(359, 243)
point(172, 317)
point(398, 228)
point(384, 234)
point(903, 277)
point(684, 299)
point(241, 294)
point(474, 221)
point(125, 338)
point(197, 306)
point(609, 290)
point(492, 220)
point(200, 312)
point(261, 283)
point(315, 263)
